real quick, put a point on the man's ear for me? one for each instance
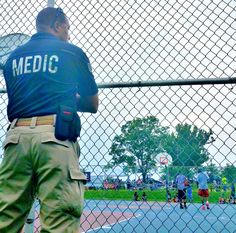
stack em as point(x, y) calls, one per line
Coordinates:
point(56, 26)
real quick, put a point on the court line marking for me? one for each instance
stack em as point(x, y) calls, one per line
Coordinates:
point(108, 226)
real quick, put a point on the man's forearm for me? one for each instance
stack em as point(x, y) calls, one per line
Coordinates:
point(87, 104)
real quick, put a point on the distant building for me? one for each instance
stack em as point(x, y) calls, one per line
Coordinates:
point(96, 182)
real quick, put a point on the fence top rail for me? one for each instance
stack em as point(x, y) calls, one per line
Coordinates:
point(162, 83)
point(169, 83)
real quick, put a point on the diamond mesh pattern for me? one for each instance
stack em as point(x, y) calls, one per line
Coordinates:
point(135, 43)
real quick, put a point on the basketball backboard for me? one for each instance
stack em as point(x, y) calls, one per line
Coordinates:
point(163, 158)
point(9, 43)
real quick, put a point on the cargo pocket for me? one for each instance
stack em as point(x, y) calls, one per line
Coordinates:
point(76, 174)
point(73, 193)
point(11, 139)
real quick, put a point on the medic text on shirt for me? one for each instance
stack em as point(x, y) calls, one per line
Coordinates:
point(34, 64)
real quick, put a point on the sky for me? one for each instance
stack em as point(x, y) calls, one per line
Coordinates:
point(136, 40)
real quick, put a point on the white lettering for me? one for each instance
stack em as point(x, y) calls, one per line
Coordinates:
point(34, 64)
point(51, 68)
point(45, 63)
point(17, 69)
point(27, 69)
point(37, 63)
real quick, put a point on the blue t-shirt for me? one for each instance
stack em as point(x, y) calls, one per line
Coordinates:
point(44, 73)
point(202, 180)
point(180, 179)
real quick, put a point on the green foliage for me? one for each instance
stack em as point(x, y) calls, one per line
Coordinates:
point(229, 172)
point(138, 145)
point(142, 139)
point(186, 145)
point(213, 171)
point(174, 170)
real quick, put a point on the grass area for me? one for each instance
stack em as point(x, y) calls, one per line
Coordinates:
point(157, 195)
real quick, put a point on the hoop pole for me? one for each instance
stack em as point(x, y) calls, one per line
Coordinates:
point(51, 3)
point(167, 182)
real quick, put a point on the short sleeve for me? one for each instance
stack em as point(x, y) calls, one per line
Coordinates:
point(87, 85)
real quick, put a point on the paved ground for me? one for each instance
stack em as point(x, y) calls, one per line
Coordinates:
point(122, 216)
point(151, 217)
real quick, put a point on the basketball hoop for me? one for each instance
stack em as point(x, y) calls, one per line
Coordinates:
point(163, 158)
point(163, 161)
point(8, 43)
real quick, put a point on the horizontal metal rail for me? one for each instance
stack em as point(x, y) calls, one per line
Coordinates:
point(187, 82)
point(169, 83)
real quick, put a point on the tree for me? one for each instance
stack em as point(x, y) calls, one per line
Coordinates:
point(174, 170)
point(229, 171)
point(186, 145)
point(138, 145)
point(213, 172)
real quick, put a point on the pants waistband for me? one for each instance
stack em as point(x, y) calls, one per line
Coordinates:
point(34, 121)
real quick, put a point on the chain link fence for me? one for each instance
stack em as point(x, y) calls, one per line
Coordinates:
point(166, 75)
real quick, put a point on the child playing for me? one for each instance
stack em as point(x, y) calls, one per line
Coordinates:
point(203, 188)
point(168, 196)
point(144, 196)
point(232, 198)
point(189, 193)
point(135, 197)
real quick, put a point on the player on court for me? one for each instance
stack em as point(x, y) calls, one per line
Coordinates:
point(203, 192)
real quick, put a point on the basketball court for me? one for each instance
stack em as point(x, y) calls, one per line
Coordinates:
point(151, 217)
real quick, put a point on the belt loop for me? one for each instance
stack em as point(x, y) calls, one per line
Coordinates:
point(54, 119)
point(13, 124)
point(33, 122)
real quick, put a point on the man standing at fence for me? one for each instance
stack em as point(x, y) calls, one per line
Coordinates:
point(180, 182)
point(203, 192)
point(48, 80)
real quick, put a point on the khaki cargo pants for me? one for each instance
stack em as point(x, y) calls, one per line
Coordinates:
point(37, 164)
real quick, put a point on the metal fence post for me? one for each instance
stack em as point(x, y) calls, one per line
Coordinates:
point(51, 3)
point(29, 225)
